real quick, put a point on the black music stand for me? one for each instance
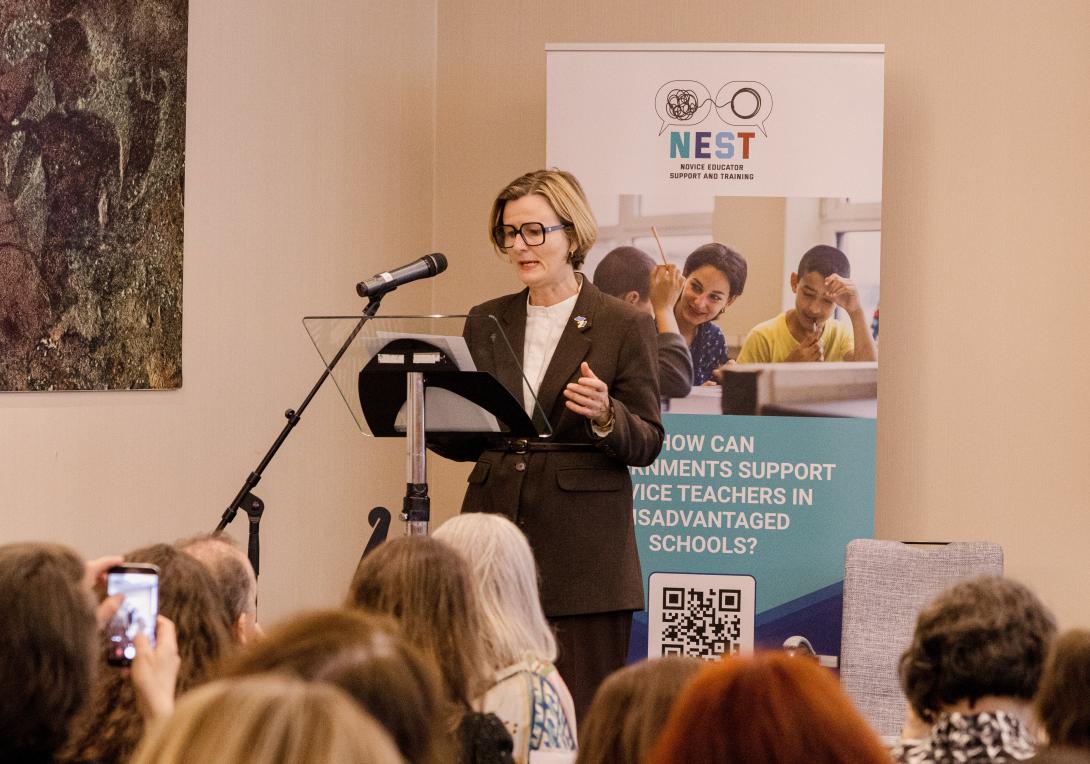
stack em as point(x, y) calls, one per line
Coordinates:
point(413, 377)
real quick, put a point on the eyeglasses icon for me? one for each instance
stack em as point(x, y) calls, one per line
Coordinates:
point(532, 234)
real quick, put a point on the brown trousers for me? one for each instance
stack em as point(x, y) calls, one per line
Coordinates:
point(591, 647)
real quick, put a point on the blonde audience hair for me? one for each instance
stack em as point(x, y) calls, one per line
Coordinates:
point(630, 709)
point(505, 576)
point(264, 719)
point(566, 196)
point(427, 586)
point(365, 655)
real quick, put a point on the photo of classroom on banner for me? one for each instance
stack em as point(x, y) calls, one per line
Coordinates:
point(781, 294)
point(742, 520)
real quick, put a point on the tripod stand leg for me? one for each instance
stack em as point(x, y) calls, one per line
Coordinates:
point(253, 507)
point(379, 520)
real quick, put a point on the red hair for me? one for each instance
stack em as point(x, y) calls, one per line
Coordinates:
point(771, 708)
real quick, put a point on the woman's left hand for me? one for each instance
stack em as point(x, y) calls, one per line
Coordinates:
point(589, 397)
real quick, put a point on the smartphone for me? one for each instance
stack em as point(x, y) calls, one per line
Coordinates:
point(139, 583)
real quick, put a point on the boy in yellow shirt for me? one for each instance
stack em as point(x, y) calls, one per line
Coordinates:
point(806, 332)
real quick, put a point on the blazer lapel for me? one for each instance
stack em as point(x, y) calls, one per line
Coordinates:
point(513, 323)
point(570, 352)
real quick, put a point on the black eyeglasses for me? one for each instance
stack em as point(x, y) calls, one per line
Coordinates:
point(532, 234)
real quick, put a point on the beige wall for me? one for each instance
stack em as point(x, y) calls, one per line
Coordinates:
point(325, 145)
point(308, 168)
point(984, 419)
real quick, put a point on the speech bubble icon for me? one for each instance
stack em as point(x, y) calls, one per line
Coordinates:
point(682, 103)
point(744, 104)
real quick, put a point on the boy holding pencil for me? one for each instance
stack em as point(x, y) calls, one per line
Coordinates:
point(808, 331)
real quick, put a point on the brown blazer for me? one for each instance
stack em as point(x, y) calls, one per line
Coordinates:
point(575, 507)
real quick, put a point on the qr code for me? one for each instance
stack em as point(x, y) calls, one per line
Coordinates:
point(701, 615)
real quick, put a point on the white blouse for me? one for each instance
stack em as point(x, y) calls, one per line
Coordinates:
point(544, 325)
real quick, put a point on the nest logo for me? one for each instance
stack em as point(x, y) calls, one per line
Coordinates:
point(688, 103)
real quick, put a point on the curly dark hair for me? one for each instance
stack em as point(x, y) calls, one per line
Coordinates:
point(47, 648)
point(983, 636)
point(1065, 686)
point(112, 727)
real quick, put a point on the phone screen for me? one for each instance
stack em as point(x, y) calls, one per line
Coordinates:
point(136, 614)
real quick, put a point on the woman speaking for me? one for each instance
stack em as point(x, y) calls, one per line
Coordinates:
point(589, 359)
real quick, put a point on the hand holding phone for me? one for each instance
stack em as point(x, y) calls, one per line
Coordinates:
point(155, 671)
point(138, 583)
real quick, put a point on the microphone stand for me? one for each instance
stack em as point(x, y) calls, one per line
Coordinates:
point(254, 506)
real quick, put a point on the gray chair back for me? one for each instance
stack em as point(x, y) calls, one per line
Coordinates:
point(886, 583)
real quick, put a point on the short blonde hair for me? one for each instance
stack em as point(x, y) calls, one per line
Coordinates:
point(566, 196)
point(505, 576)
point(267, 718)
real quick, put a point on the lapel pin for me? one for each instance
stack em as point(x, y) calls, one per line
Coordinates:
point(581, 322)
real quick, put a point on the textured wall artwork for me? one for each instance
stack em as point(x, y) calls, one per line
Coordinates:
point(92, 155)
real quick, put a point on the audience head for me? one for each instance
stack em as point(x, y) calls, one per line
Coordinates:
point(365, 655)
point(505, 577)
point(263, 719)
point(112, 726)
point(625, 273)
point(770, 708)
point(565, 195)
point(630, 709)
point(234, 577)
point(427, 586)
point(1065, 689)
point(48, 648)
point(982, 637)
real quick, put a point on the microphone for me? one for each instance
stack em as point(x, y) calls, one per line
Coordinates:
point(424, 268)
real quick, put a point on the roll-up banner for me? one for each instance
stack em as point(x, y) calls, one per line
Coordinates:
point(773, 152)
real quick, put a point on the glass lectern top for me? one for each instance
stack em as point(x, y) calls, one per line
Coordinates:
point(371, 356)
